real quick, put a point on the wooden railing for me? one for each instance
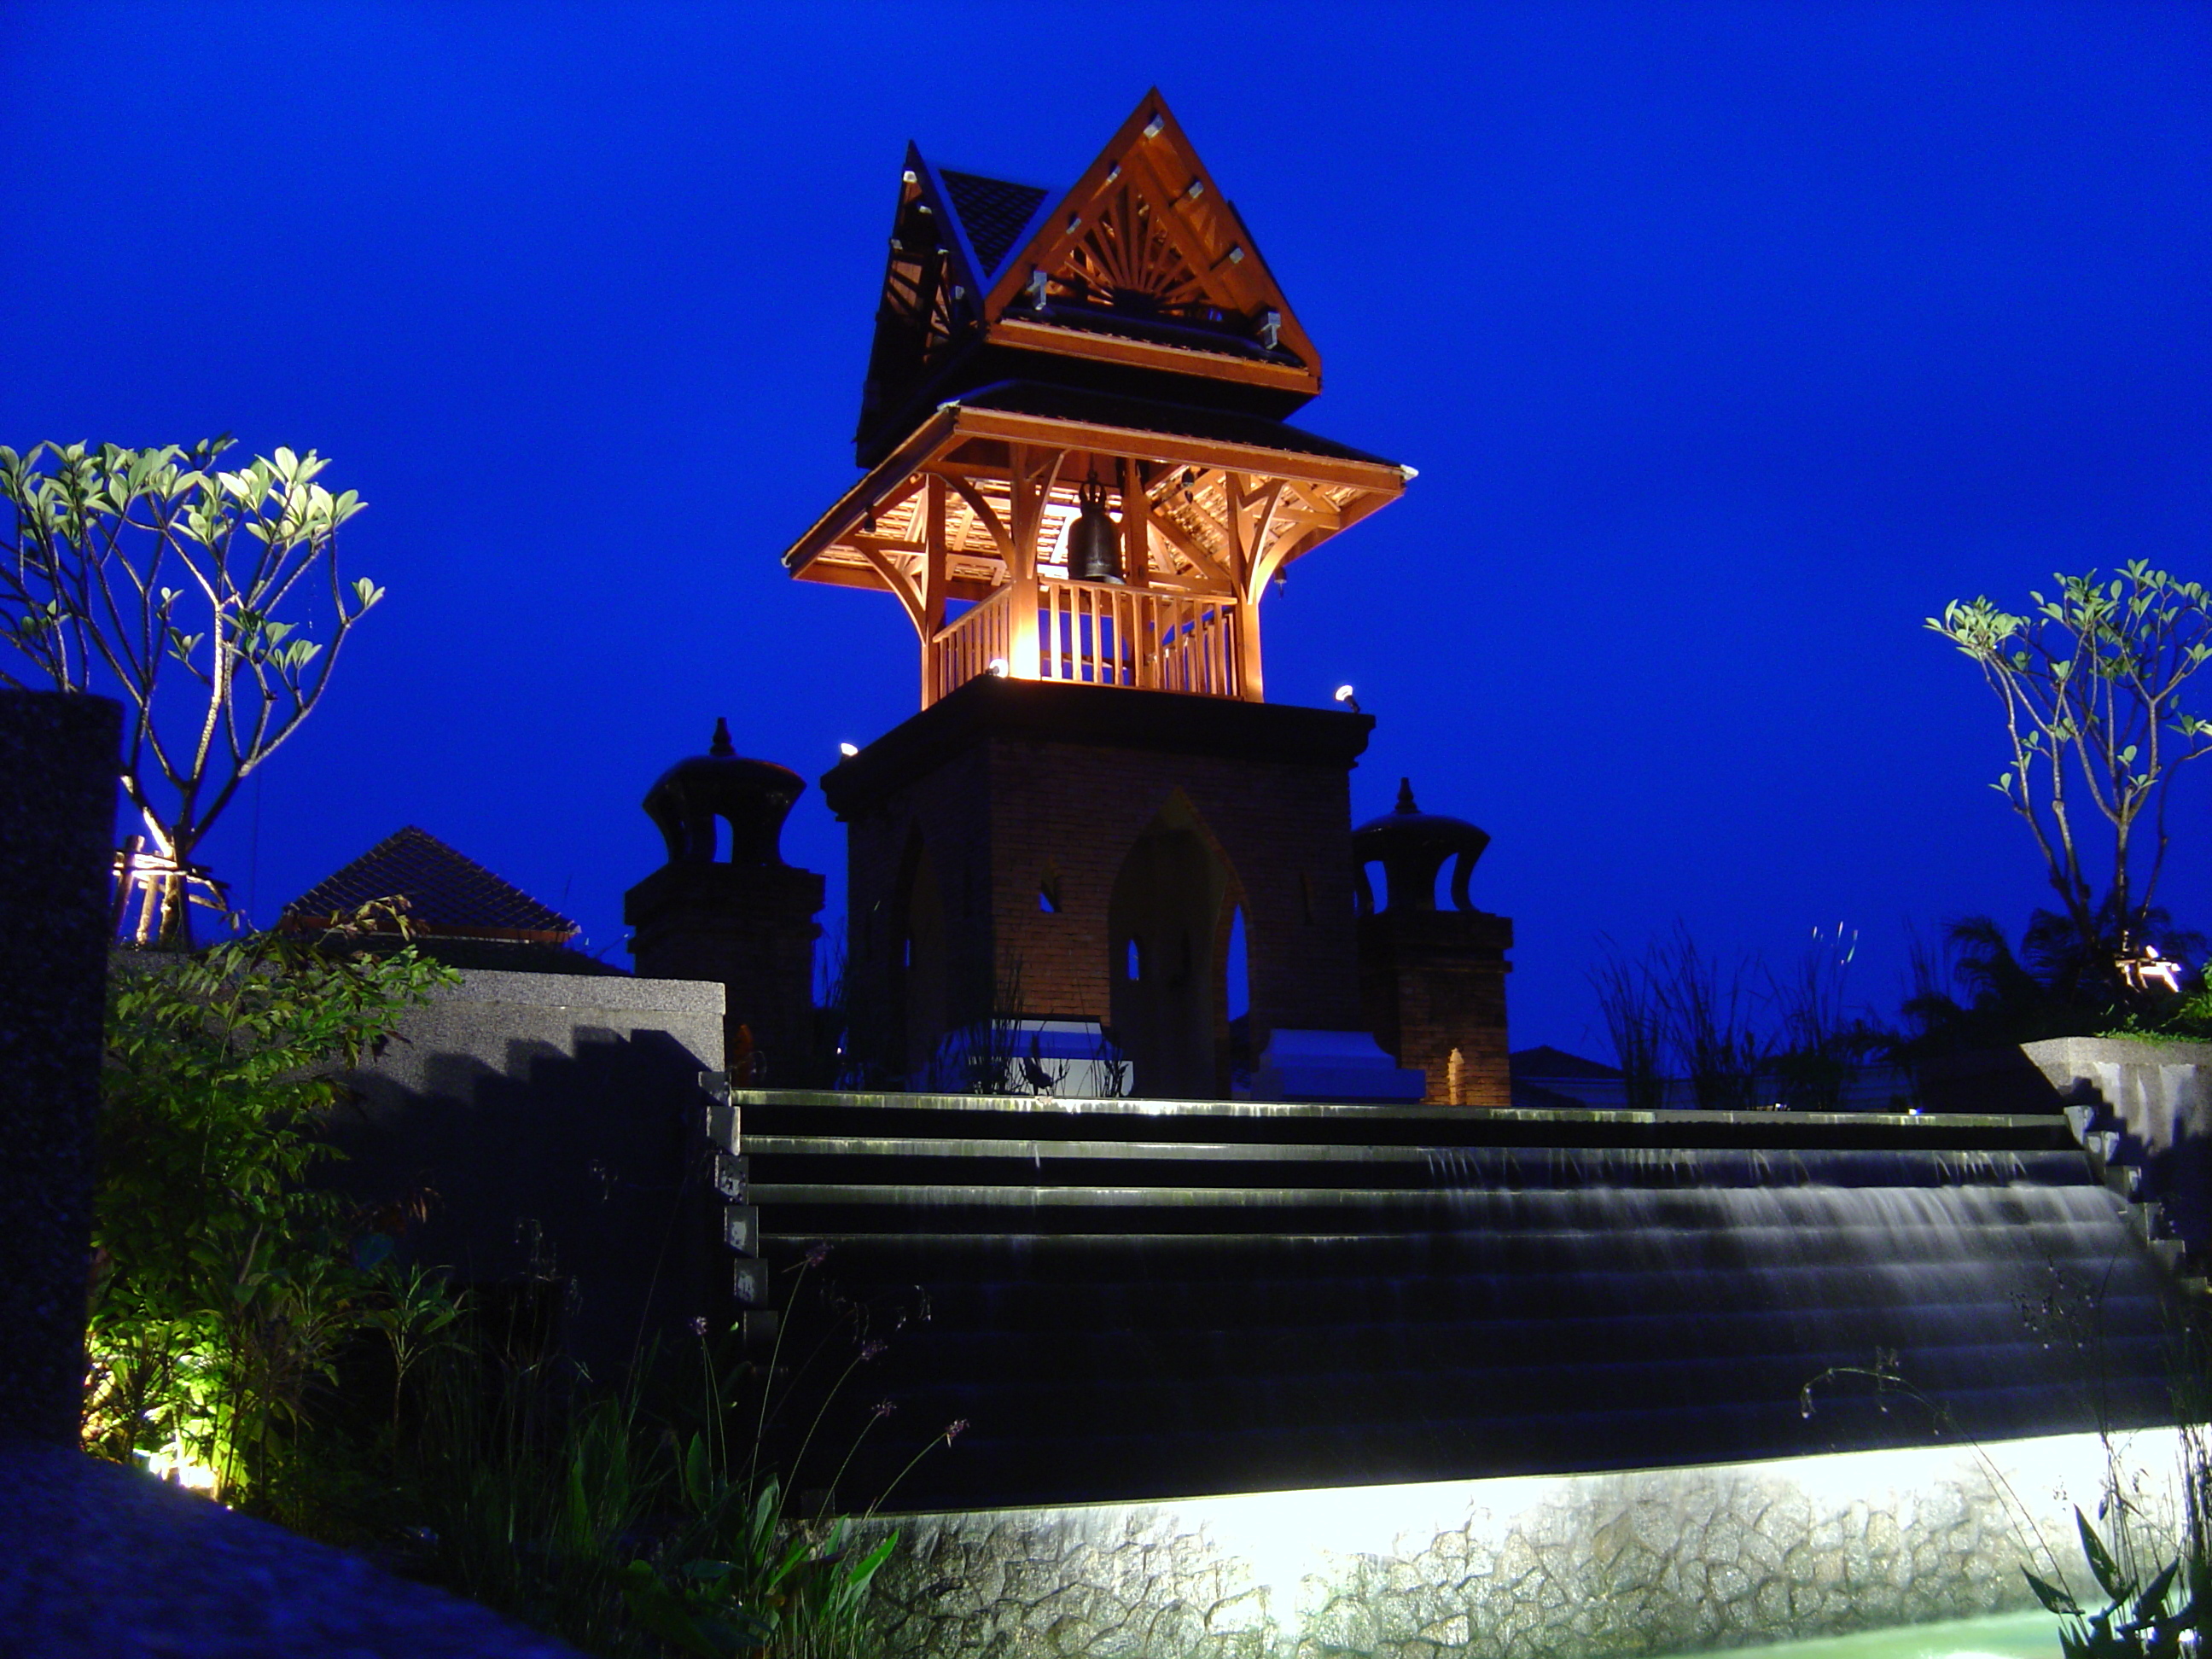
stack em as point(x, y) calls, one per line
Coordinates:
point(967, 646)
point(1096, 635)
point(1105, 635)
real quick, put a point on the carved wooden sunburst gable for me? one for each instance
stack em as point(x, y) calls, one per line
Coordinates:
point(1146, 236)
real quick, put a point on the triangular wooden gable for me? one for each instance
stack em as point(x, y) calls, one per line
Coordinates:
point(932, 297)
point(1147, 235)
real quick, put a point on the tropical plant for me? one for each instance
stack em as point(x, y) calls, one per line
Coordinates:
point(1709, 1010)
point(224, 1284)
point(1635, 1015)
point(2155, 1620)
point(1980, 991)
point(663, 1515)
point(2091, 683)
point(187, 591)
point(419, 1314)
point(1821, 1041)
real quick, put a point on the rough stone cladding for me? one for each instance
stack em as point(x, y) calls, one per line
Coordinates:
point(1433, 982)
point(1006, 813)
point(1606, 1567)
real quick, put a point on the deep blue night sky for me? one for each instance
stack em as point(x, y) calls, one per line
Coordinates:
point(1730, 342)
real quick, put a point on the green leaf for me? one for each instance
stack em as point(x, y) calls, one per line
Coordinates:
point(2148, 1603)
point(2054, 1599)
point(694, 1472)
point(2108, 1571)
point(653, 1606)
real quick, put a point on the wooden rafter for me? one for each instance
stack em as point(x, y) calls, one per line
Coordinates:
point(984, 515)
point(964, 509)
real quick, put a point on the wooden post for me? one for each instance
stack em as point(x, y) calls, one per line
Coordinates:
point(1033, 473)
point(1136, 527)
point(1022, 577)
point(934, 578)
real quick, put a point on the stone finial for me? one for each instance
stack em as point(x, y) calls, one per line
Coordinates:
point(1412, 846)
point(753, 797)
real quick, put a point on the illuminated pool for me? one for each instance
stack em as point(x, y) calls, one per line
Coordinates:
point(1996, 1635)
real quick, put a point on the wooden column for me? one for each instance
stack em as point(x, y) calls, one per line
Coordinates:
point(1250, 687)
point(1021, 572)
point(1033, 472)
point(1136, 529)
point(934, 580)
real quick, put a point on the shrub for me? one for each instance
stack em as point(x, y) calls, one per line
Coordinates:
point(223, 1286)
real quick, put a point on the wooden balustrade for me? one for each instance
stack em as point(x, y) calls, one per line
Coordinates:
point(967, 646)
point(1096, 635)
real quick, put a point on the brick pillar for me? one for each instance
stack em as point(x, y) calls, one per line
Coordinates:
point(1434, 981)
point(751, 927)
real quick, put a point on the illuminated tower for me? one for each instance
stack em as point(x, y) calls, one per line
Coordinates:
point(1079, 487)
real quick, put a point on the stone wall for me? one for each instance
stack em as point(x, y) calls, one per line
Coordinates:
point(2149, 1126)
point(1570, 1567)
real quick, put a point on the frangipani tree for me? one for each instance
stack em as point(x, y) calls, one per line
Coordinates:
point(188, 592)
point(2092, 682)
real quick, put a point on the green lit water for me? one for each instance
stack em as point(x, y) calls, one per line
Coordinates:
point(2031, 1635)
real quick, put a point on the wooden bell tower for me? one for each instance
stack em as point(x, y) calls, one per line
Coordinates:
point(1079, 484)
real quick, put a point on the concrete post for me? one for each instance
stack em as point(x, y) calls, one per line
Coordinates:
point(58, 779)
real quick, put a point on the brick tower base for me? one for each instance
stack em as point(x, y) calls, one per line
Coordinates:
point(1068, 852)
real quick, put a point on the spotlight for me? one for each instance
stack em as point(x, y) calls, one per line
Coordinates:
point(1344, 695)
point(997, 668)
point(849, 750)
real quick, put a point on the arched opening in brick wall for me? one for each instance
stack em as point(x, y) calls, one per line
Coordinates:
point(1167, 923)
point(918, 965)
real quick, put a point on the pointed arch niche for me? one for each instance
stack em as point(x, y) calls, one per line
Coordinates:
point(1169, 924)
point(919, 971)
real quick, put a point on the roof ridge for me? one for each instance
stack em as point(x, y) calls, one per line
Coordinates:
point(443, 886)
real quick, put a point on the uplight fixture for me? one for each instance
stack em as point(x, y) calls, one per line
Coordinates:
point(997, 670)
point(849, 750)
point(1344, 695)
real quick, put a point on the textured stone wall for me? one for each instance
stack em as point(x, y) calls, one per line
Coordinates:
point(1570, 1567)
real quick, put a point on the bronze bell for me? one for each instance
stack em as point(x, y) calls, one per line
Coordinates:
point(1094, 540)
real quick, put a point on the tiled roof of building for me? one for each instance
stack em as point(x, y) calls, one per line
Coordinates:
point(445, 892)
point(993, 211)
point(1549, 1062)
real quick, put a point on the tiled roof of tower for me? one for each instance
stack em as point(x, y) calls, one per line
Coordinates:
point(446, 892)
point(1062, 403)
point(993, 211)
